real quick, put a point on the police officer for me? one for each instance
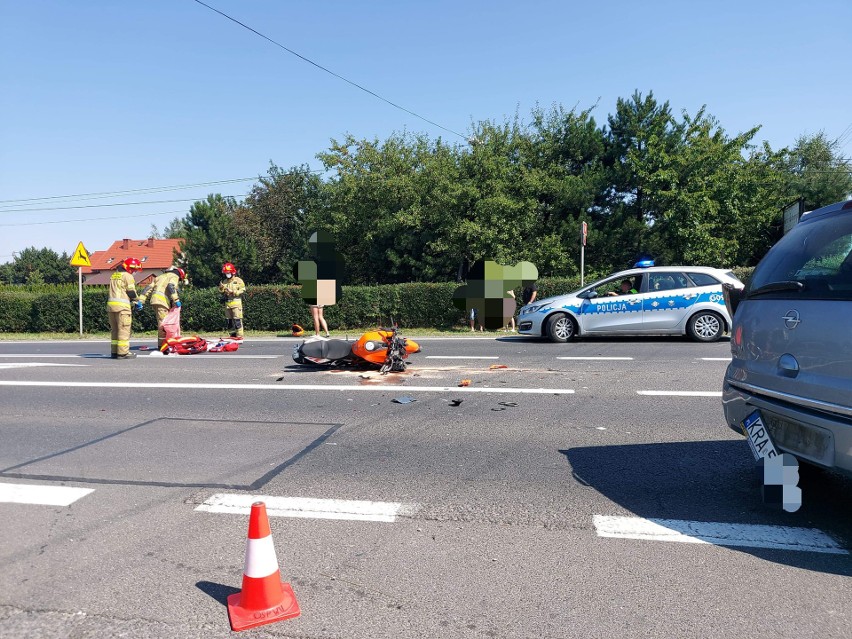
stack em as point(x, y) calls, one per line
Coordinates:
point(232, 289)
point(122, 296)
point(164, 294)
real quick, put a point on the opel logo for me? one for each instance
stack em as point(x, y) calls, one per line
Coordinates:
point(791, 319)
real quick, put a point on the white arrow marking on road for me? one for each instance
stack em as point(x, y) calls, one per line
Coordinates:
point(287, 387)
point(41, 495)
point(718, 534)
point(600, 358)
point(308, 508)
point(680, 393)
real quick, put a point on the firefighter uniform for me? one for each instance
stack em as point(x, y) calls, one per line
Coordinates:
point(232, 289)
point(163, 293)
point(122, 293)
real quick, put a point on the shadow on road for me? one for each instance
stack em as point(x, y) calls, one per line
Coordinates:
point(219, 592)
point(716, 481)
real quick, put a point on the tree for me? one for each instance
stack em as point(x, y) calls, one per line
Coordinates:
point(816, 172)
point(212, 238)
point(392, 207)
point(642, 136)
point(37, 266)
point(274, 217)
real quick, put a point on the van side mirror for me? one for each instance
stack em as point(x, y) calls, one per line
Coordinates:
point(732, 296)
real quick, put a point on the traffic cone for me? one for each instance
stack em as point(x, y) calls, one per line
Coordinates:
point(264, 598)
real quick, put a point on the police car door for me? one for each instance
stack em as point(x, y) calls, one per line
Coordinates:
point(667, 302)
point(612, 314)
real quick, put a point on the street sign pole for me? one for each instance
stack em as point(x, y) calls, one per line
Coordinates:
point(80, 295)
point(584, 229)
point(80, 259)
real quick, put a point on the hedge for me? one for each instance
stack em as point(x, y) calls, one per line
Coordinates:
point(266, 308)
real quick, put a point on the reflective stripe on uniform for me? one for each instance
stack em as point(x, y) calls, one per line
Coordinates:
point(118, 303)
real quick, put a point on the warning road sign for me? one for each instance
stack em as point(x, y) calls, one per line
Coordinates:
point(81, 256)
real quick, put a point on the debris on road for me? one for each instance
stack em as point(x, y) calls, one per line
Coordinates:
point(403, 400)
point(464, 382)
point(455, 402)
point(496, 366)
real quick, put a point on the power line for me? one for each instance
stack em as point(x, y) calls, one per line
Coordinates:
point(109, 194)
point(99, 206)
point(93, 219)
point(330, 72)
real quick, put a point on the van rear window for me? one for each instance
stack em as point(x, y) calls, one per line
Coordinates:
point(817, 254)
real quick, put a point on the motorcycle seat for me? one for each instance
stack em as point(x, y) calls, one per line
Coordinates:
point(330, 349)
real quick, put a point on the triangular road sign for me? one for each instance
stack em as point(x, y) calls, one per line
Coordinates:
point(81, 256)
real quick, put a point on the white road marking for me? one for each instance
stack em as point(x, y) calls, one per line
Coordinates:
point(718, 534)
point(599, 358)
point(43, 356)
point(213, 356)
point(715, 359)
point(140, 353)
point(286, 387)
point(41, 495)
point(461, 357)
point(308, 508)
point(675, 393)
point(6, 365)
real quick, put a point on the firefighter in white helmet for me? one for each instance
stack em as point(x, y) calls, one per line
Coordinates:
point(122, 297)
point(164, 294)
point(232, 289)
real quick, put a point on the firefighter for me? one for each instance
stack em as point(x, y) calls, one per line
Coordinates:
point(232, 289)
point(122, 297)
point(164, 295)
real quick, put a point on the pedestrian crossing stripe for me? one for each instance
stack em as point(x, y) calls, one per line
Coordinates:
point(81, 256)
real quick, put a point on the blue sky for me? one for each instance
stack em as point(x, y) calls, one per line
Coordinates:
point(102, 96)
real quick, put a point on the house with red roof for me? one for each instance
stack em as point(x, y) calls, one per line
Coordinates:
point(156, 256)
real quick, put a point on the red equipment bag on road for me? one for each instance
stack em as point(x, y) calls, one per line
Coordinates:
point(187, 345)
point(171, 323)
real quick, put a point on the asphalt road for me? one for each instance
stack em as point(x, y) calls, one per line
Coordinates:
point(496, 510)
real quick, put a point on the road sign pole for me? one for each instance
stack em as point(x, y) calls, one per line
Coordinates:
point(80, 295)
point(582, 265)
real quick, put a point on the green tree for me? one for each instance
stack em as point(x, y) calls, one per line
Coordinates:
point(274, 217)
point(817, 172)
point(36, 266)
point(642, 136)
point(391, 207)
point(211, 237)
point(716, 200)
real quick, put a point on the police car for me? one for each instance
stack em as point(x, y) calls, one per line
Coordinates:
point(646, 300)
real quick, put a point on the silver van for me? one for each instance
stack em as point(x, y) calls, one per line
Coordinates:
point(791, 342)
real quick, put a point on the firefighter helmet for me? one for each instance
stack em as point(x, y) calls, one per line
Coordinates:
point(227, 267)
point(180, 272)
point(132, 264)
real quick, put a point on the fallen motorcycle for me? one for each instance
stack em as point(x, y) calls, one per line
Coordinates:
point(384, 348)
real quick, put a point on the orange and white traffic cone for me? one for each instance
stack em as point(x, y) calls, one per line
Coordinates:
point(264, 598)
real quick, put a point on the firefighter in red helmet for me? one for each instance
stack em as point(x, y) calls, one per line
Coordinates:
point(164, 294)
point(122, 297)
point(232, 289)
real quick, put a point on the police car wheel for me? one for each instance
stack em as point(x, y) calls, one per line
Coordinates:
point(706, 327)
point(560, 328)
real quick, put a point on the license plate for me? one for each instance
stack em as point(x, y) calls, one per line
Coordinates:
point(758, 436)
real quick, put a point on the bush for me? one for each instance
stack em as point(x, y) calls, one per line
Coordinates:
point(53, 308)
